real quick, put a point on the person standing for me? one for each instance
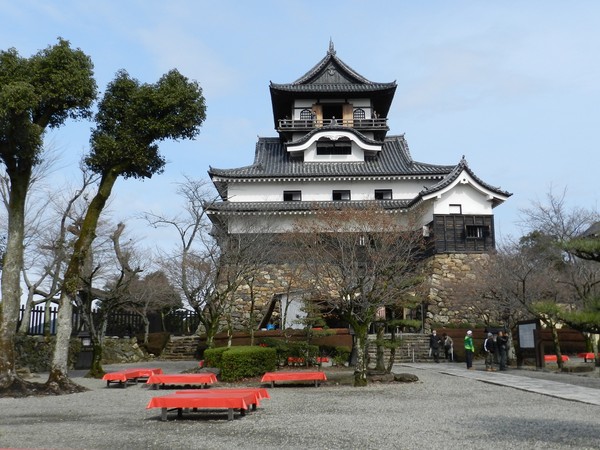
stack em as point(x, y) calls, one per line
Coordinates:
point(469, 349)
point(502, 344)
point(488, 348)
point(448, 347)
point(434, 345)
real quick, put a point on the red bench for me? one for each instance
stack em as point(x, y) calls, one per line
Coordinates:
point(258, 393)
point(123, 377)
point(554, 358)
point(587, 356)
point(230, 401)
point(182, 379)
point(272, 377)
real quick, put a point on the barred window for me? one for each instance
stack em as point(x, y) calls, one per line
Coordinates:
point(359, 114)
point(292, 196)
point(341, 195)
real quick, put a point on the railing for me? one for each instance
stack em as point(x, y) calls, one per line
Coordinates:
point(308, 124)
point(119, 323)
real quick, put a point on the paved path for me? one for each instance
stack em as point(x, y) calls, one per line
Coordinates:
point(545, 387)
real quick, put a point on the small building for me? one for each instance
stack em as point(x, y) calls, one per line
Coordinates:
point(333, 147)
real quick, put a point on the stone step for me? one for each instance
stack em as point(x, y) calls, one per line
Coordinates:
point(180, 348)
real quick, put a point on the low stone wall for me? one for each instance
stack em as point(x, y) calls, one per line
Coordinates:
point(35, 352)
point(122, 350)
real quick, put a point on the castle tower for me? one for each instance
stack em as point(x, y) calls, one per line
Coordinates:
point(332, 147)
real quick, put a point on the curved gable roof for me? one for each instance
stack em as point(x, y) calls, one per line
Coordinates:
point(333, 127)
point(451, 178)
point(331, 74)
point(271, 160)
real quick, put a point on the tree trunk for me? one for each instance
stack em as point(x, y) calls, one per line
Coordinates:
point(360, 371)
point(392, 359)
point(72, 280)
point(24, 325)
point(146, 328)
point(595, 350)
point(96, 371)
point(556, 343)
point(60, 361)
point(11, 276)
point(380, 352)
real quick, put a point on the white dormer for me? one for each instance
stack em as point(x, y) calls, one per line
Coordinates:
point(334, 145)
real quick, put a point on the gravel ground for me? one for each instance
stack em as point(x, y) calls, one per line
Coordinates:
point(439, 411)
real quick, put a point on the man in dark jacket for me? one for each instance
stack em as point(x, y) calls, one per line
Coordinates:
point(434, 346)
point(502, 346)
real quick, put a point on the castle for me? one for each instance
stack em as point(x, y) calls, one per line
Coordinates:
point(332, 147)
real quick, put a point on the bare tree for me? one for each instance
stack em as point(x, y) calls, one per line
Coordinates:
point(357, 261)
point(207, 272)
point(48, 243)
point(151, 294)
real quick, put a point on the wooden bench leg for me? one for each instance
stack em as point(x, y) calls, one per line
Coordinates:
point(163, 414)
point(230, 414)
point(272, 384)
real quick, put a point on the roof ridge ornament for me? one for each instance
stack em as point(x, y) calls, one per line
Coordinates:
point(331, 50)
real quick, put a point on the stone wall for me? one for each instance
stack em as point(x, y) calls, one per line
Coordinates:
point(272, 280)
point(35, 352)
point(446, 273)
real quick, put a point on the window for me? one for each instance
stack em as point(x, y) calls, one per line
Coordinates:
point(340, 147)
point(359, 114)
point(455, 209)
point(306, 114)
point(383, 194)
point(341, 196)
point(476, 231)
point(292, 196)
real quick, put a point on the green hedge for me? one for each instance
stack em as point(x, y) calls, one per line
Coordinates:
point(298, 349)
point(213, 356)
point(247, 361)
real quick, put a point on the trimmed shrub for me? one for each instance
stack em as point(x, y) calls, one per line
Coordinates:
point(303, 350)
point(281, 348)
point(213, 356)
point(247, 361)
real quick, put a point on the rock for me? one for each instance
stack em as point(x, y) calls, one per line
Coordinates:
point(381, 378)
point(405, 377)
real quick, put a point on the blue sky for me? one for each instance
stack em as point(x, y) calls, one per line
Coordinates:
point(514, 86)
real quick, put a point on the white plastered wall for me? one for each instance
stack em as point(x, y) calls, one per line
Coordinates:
point(317, 190)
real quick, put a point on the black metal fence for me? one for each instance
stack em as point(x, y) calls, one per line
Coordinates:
point(119, 323)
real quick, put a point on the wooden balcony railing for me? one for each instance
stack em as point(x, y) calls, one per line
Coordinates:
point(308, 124)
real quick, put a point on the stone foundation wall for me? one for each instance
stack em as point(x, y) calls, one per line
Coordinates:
point(270, 281)
point(446, 273)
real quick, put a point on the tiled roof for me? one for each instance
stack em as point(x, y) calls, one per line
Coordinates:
point(332, 87)
point(346, 79)
point(273, 161)
point(299, 207)
point(336, 127)
point(452, 176)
